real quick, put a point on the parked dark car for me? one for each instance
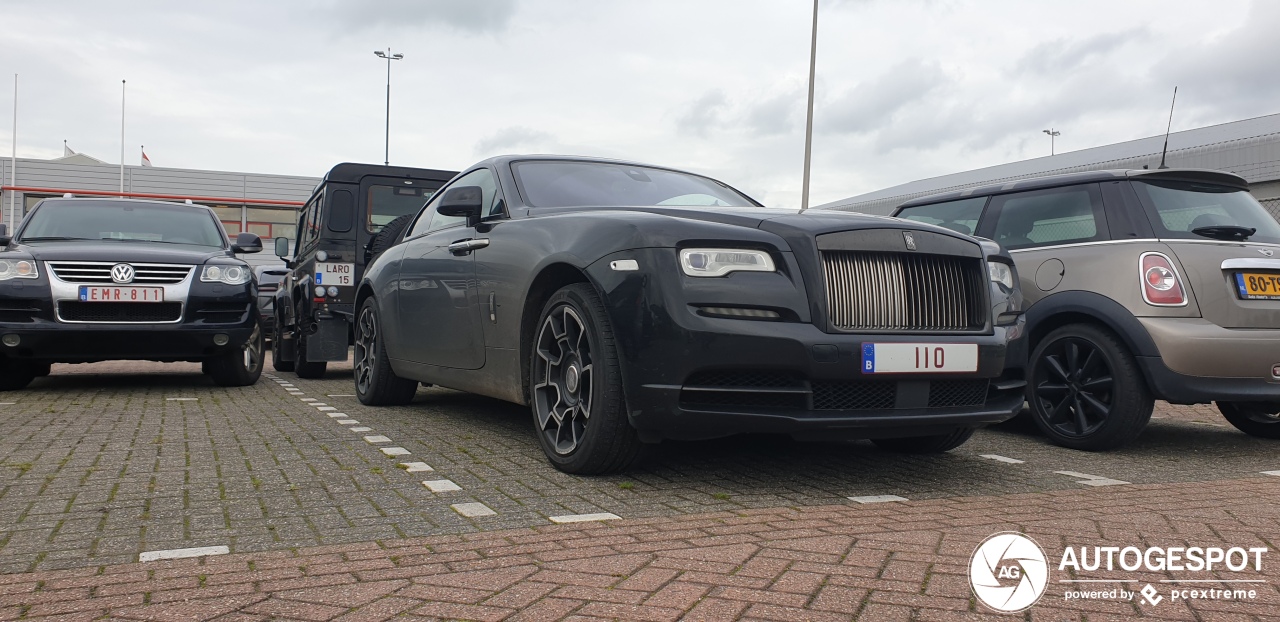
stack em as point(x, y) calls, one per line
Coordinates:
point(351, 216)
point(629, 303)
point(268, 283)
point(85, 280)
point(1141, 285)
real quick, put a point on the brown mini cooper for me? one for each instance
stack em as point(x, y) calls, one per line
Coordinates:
point(1140, 285)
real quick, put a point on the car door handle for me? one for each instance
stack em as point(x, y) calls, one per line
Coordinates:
point(462, 247)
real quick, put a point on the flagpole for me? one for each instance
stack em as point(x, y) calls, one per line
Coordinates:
point(13, 158)
point(122, 85)
point(808, 123)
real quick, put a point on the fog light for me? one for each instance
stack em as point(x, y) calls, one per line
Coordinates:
point(319, 291)
point(333, 291)
point(221, 339)
point(11, 340)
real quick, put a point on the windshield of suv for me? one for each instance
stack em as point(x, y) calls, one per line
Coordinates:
point(386, 203)
point(1177, 208)
point(565, 183)
point(123, 221)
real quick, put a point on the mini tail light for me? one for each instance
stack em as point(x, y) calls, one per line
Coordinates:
point(1161, 285)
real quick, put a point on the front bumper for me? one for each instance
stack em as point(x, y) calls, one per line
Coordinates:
point(1202, 362)
point(688, 376)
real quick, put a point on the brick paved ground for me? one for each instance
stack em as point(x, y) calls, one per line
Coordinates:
point(99, 463)
point(895, 561)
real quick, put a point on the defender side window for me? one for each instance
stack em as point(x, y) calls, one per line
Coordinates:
point(961, 216)
point(310, 229)
point(1046, 217)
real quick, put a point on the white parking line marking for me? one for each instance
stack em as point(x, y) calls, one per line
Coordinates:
point(415, 467)
point(999, 458)
point(441, 485)
point(7, 403)
point(1092, 480)
point(338, 415)
point(361, 429)
point(378, 438)
point(877, 499)
point(396, 451)
point(315, 403)
point(472, 510)
point(150, 556)
point(347, 421)
point(309, 399)
point(584, 518)
point(1275, 473)
point(342, 395)
point(1216, 425)
point(326, 409)
point(182, 399)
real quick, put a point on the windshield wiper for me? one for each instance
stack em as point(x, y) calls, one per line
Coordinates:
point(1231, 233)
point(52, 238)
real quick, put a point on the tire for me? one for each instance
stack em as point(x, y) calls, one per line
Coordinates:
point(574, 355)
point(1260, 419)
point(238, 368)
point(276, 340)
point(388, 236)
point(16, 375)
point(935, 444)
point(303, 367)
point(376, 383)
point(1086, 391)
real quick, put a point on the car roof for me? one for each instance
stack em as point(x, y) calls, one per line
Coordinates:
point(121, 200)
point(1221, 178)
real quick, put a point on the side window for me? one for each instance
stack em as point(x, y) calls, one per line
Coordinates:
point(961, 215)
point(431, 220)
point(310, 223)
point(1045, 217)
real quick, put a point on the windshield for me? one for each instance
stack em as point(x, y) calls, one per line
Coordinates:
point(1177, 208)
point(122, 221)
point(386, 203)
point(561, 183)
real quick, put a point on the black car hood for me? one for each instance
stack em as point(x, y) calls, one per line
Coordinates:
point(139, 252)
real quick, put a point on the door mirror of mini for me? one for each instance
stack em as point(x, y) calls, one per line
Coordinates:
point(282, 247)
point(462, 201)
point(247, 243)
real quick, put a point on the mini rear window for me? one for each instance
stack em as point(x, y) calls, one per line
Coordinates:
point(1177, 208)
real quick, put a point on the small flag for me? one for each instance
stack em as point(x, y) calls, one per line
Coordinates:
point(145, 160)
point(67, 151)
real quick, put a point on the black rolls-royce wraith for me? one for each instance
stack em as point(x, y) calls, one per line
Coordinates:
point(86, 280)
point(629, 303)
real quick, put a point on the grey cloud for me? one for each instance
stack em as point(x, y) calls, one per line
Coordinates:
point(705, 113)
point(873, 104)
point(514, 139)
point(1062, 55)
point(776, 114)
point(464, 15)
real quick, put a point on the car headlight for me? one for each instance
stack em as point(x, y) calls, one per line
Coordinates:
point(18, 269)
point(1001, 273)
point(722, 261)
point(231, 275)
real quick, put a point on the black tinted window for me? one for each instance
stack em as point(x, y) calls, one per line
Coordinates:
point(1047, 217)
point(961, 215)
point(386, 203)
point(1178, 208)
point(562, 183)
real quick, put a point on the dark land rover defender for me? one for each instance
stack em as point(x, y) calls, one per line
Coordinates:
point(356, 212)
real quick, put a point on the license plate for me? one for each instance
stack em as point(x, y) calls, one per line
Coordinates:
point(95, 293)
point(335, 273)
point(1258, 285)
point(919, 358)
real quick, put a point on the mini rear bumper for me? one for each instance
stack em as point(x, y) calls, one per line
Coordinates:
point(1202, 362)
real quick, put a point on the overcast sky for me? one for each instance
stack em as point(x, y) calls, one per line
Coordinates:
point(905, 89)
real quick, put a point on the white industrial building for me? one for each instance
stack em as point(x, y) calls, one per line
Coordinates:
point(1249, 148)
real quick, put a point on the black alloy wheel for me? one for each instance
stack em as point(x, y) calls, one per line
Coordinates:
point(376, 383)
point(238, 368)
point(1086, 391)
point(576, 387)
point(1261, 419)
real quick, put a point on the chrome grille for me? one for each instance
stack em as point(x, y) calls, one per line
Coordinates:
point(100, 272)
point(903, 291)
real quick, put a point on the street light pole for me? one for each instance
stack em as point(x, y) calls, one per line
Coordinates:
point(1052, 134)
point(386, 156)
point(808, 119)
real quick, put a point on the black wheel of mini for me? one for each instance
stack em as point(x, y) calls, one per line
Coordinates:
point(388, 236)
point(241, 367)
point(16, 375)
point(934, 444)
point(575, 386)
point(1261, 419)
point(277, 342)
point(303, 367)
point(1086, 391)
point(376, 383)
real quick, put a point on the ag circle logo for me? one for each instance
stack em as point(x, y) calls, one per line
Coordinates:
point(1008, 572)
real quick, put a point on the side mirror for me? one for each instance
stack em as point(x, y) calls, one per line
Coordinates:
point(247, 243)
point(465, 201)
point(282, 247)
